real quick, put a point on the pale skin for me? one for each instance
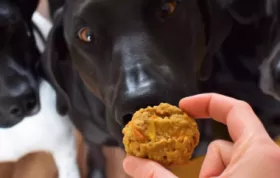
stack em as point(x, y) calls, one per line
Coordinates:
point(252, 154)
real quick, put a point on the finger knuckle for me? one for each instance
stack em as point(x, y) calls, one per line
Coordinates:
point(217, 142)
point(244, 104)
point(215, 95)
point(213, 145)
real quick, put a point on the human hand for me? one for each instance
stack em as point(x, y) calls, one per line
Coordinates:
point(253, 154)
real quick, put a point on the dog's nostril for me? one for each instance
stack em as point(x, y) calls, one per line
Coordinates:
point(30, 104)
point(15, 111)
point(127, 118)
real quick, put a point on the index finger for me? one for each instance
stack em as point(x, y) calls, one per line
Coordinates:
point(236, 114)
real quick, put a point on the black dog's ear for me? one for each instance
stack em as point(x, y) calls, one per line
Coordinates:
point(219, 19)
point(27, 7)
point(218, 26)
point(55, 64)
point(249, 11)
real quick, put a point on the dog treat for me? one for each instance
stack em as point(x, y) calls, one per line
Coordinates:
point(162, 133)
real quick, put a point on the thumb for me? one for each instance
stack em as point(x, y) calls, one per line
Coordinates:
point(217, 158)
point(142, 168)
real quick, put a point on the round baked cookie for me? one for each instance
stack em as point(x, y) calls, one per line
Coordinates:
point(162, 133)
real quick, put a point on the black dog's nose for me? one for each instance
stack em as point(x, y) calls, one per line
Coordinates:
point(141, 86)
point(25, 104)
point(126, 118)
point(127, 114)
point(151, 95)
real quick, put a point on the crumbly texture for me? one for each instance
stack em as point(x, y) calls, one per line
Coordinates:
point(161, 133)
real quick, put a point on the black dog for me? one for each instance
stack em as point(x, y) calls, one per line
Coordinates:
point(107, 59)
point(237, 74)
point(270, 71)
point(18, 58)
point(270, 68)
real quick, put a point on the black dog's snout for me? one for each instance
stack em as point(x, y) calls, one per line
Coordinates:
point(25, 104)
point(144, 85)
point(151, 95)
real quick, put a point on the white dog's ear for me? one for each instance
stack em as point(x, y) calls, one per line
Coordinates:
point(249, 11)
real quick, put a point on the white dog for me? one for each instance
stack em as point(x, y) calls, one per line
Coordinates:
point(45, 131)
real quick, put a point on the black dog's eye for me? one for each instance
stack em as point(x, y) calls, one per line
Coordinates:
point(85, 34)
point(168, 8)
